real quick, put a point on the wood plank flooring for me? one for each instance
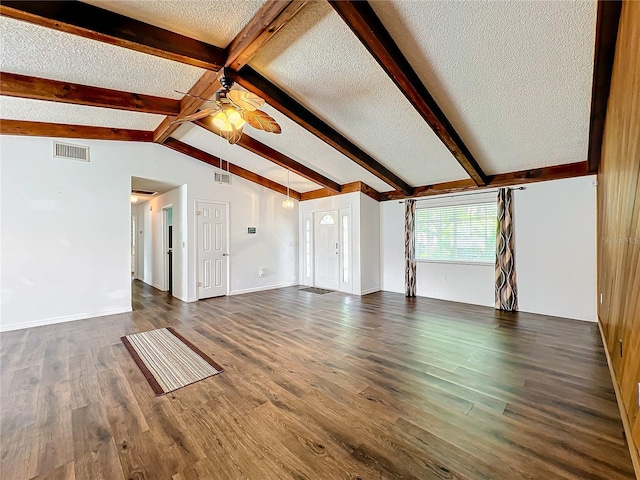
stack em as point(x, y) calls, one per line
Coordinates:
point(316, 387)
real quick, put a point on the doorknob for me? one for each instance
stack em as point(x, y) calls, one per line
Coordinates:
point(225, 254)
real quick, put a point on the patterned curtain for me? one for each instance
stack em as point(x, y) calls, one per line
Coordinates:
point(409, 248)
point(506, 291)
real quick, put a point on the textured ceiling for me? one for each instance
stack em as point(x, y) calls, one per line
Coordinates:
point(306, 148)
point(212, 21)
point(513, 77)
point(213, 144)
point(318, 60)
point(42, 52)
point(41, 111)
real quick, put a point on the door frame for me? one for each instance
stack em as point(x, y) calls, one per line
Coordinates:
point(134, 240)
point(346, 287)
point(227, 206)
point(317, 216)
point(165, 247)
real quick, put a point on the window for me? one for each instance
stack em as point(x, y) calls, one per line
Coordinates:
point(327, 220)
point(457, 233)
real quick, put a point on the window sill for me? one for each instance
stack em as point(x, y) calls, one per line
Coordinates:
point(453, 262)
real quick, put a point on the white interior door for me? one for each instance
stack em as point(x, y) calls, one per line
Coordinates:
point(327, 250)
point(212, 249)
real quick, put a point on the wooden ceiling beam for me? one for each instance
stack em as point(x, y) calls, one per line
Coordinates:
point(205, 157)
point(99, 24)
point(608, 17)
point(281, 101)
point(314, 194)
point(263, 26)
point(271, 17)
point(42, 129)
point(346, 188)
point(543, 174)
point(361, 187)
point(361, 18)
point(274, 156)
point(23, 86)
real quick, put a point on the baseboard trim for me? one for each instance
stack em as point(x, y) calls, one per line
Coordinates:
point(370, 290)
point(66, 318)
point(633, 448)
point(261, 289)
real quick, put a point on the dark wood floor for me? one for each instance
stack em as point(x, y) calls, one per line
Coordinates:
point(316, 387)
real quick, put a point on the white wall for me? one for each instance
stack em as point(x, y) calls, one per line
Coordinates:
point(369, 245)
point(392, 246)
point(65, 240)
point(274, 248)
point(556, 248)
point(555, 254)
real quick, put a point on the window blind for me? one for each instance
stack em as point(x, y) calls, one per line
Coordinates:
point(457, 233)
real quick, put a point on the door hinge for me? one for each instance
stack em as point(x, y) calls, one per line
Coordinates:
point(198, 213)
point(199, 284)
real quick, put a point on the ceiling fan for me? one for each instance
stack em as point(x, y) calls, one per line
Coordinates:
point(234, 108)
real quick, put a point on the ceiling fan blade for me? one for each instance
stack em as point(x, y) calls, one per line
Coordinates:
point(245, 100)
point(261, 120)
point(196, 116)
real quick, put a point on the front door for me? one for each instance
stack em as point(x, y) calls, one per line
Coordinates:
point(212, 249)
point(326, 250)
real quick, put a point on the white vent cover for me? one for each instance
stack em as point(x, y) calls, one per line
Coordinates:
point(222, 177)
point(70, 152)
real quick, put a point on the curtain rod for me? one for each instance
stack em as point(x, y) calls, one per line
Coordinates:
point(462, 194)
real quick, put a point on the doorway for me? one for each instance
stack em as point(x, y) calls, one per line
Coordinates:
point(212, 254)
point(327, 250)
point(167, 231)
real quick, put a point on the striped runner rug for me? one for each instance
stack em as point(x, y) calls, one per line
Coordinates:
point(168, 360)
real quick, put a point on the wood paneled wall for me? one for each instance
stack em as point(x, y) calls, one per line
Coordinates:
point(619, 221)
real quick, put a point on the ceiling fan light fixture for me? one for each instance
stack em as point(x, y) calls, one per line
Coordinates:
point(235, 118)
point(228, 119)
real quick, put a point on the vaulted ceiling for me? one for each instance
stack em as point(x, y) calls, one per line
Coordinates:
point(442, 96)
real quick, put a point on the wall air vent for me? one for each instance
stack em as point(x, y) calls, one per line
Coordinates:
point(222, 177)
point(70, 152)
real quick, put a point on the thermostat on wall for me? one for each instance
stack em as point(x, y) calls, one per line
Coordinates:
point(251, 229)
